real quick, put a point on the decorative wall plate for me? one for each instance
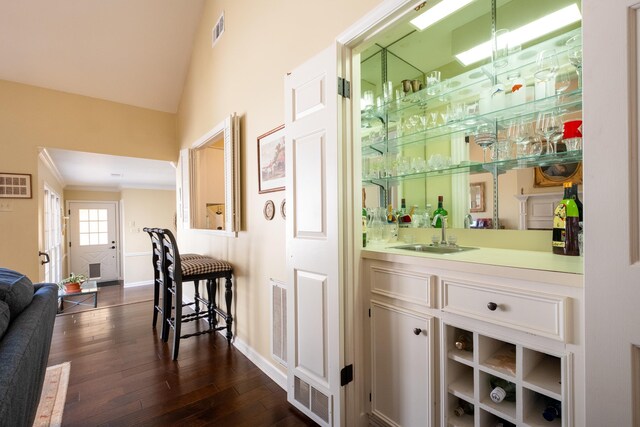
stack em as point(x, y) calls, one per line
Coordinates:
point(269, 210)
point(283, 208)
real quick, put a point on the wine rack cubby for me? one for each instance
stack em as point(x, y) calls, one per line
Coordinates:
point(538, 377)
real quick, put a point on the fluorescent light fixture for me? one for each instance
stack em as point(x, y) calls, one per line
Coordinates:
point(531, 31)
point(438, 12)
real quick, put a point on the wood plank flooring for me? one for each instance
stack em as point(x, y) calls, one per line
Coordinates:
point(122, 375)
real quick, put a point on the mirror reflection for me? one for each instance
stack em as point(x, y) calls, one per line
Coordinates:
point(455, 104)
point(211, 180)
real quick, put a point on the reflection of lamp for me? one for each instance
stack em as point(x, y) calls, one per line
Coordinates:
point(438, 12)
point(531, 31)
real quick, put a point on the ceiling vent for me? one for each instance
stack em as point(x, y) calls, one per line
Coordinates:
point(217, 30)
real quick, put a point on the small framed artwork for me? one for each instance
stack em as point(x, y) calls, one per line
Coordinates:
point(271, 161)
point(476, 194)
point(558, 174)
point(15, 185)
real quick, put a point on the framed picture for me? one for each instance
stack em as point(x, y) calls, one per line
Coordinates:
point(558, 174)
point(15, 185)
point(476, 193)
point(271, 161)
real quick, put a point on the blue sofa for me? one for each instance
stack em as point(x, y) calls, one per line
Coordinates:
point(27, 315)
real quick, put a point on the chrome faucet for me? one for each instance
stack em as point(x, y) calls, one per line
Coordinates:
point(443, 218)
point(468, 219)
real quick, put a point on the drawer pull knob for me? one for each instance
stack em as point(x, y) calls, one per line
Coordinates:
point(492, 306)
point(417, 331)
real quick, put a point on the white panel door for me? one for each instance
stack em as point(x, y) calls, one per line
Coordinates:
point(93, 247)
point(611, 43)
point(313, 250)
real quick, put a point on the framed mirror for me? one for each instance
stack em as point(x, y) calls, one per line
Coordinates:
point(210, 180)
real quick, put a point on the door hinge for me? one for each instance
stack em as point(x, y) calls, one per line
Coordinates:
point(346, 375)
point(369, 312)
point(69, 244)
point(369, 397)
point(344, 87)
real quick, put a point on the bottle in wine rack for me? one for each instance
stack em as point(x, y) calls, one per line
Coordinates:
point(463, 407)
point(501, 390)
point(552, 409)
point(464, 341)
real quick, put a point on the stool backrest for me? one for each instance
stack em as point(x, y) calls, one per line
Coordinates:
point(156, 255)
point(170, 256)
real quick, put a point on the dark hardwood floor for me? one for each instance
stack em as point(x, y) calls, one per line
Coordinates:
point(123, 375)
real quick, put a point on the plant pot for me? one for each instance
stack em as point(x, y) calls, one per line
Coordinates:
point(72, 287)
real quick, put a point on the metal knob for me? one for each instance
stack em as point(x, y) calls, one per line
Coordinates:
point(113, 247)
point(492, 306)
point(417, 331)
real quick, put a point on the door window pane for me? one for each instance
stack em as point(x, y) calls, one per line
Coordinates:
point(93, 226)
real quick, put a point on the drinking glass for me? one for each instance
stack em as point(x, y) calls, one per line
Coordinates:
point(485, 137)
point(575, 55)
point(563, 81)
point(548, 125)
point(545, 73)
point(519, 133)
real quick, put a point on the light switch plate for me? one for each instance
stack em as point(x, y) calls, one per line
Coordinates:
point(6, 206)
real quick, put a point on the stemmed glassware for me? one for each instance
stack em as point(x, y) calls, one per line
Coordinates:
point(549, 125)
point(485, 137)
point(519, 132)
point(575, 55)
point(545, 74)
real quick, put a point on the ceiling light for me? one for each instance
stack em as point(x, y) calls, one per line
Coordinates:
point(438, 12)
point(519, 36)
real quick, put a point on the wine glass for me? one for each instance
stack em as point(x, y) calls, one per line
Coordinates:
point(485, 137)
point(548, 125)
point(545, 73)
point(575, 55)
point(519, 132)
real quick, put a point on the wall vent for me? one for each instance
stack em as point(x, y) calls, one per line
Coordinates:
point(279, 321)
point(217, 30)
point(311, 398)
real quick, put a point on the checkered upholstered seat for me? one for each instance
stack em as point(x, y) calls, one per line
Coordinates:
point(204, 265)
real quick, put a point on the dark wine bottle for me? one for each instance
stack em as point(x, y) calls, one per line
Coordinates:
point(501, 390)
point(463, 407)
point(566, 225)
point(552, 409)
point(573, 193)
point(440, 210)
point(464, 341)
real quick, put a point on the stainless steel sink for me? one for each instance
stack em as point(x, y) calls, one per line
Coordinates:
point(420, 247)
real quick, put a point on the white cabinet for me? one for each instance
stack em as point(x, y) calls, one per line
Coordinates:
point(528, 333)
point(401, 352)
point(401, 357)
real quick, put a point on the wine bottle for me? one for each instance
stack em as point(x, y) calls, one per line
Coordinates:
point(503, 423)
point(463, 407)
point(552, 409)
point(573, 193)
point(439, 210)
point(391, 218)
point(501, 390)
point(566, 225)
point(464, 341)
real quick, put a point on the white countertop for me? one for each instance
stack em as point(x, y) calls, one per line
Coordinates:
point(534, 260)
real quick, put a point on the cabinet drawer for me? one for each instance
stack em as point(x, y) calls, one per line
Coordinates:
point(536, 313)
point(410, 286)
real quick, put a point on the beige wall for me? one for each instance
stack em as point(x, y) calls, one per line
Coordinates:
point(244, 73)
point(143, 208)
point(32, 117)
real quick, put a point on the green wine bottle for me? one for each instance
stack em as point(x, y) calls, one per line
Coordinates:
point(440, 210)
point(463, 407)
point(501, 390)
point(566, 224)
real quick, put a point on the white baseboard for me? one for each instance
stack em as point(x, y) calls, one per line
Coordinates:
point(134, 284)
point(261, 362)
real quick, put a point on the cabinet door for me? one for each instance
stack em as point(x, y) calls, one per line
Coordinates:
point(402, 366)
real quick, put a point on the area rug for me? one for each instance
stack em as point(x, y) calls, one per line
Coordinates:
point(54, 394)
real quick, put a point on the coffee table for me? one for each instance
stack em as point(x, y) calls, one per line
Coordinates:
point(87, 295)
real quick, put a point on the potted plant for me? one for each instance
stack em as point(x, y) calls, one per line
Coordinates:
point(73, 282)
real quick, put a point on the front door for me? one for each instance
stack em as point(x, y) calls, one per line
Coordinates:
point(314, 253)
point(93, 243)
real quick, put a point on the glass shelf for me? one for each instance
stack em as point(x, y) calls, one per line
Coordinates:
point(498, 167)
point(566, 103)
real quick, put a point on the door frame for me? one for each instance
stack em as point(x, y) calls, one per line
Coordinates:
point(354, 309)
point(118, 232)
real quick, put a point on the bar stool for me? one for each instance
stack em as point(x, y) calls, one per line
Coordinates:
point(158, 278)
point(176, 271)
